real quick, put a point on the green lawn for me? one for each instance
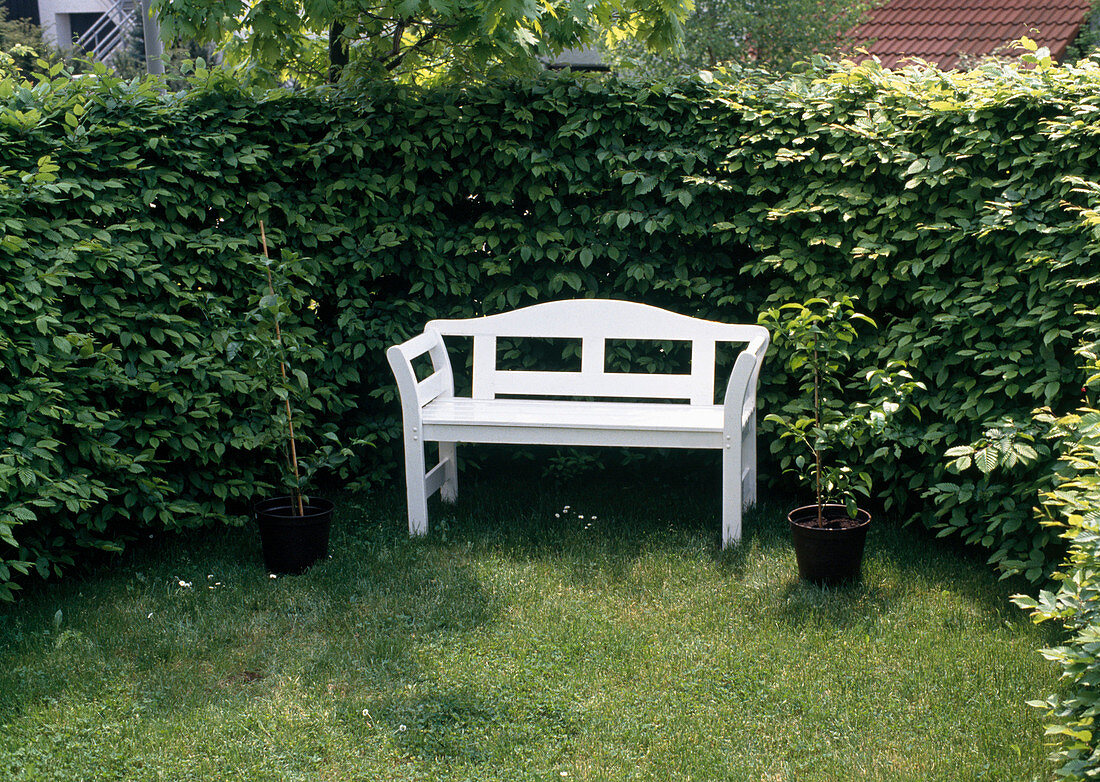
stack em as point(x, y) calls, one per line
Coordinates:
point(522, 641)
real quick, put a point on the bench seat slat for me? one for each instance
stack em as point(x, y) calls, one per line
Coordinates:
point(574, 423)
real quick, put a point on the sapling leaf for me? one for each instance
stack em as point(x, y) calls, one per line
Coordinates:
point(818, 337)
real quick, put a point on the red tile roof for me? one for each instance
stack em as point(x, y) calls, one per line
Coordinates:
point(941, 30)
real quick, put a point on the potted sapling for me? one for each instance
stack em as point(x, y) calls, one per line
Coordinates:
point(834, 419)
point(294, 526)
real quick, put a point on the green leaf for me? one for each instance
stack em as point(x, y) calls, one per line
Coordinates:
point(985, 460)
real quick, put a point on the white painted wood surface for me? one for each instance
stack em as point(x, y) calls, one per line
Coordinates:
point(432, 413)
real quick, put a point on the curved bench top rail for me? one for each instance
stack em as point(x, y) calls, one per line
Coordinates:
point(593, 321)
point(606, 318)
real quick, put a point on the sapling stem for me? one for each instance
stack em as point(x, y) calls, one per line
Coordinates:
point(282, 369)
point(815, 449)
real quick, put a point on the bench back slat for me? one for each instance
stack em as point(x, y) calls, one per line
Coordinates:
point(485, 365)
point(594, 321)
point(702, 372)
point(648, 386)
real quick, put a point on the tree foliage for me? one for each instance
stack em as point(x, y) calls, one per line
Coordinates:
point(22, 45)
point(422, 40)
point(773, 34)
point(1087, 41)
point(179, 56)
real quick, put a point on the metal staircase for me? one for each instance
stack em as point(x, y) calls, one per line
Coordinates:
point(108, 34)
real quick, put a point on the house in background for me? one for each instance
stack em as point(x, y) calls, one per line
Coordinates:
point(98, 27)
point(950, 33)
point(955, 33)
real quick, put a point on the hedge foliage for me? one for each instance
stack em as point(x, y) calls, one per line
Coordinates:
point(945, 202)
point(120, 412)
point(1072, 505)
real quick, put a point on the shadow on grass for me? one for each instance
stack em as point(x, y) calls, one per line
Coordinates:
point(456, 724)
point(232, 633)
point(195, 621)
point(537, 622)
point(900, 561)
point(602, 523)
point(621, 511)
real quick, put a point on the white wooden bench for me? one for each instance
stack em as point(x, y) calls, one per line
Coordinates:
point(431, 412)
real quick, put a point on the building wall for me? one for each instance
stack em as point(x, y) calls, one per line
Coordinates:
point(55, 21)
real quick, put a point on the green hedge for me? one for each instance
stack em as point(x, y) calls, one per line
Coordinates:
point(130, 236)
point(1073, 506)
point(119, 413)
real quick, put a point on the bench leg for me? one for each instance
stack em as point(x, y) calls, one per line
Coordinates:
point(416, 487)
point(748, 463)
point(731, 494)
point(448, 455)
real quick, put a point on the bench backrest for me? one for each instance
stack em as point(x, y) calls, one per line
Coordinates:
point(594, 321)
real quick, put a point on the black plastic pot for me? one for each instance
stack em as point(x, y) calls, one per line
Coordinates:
point(828, 556)
point(292, 543)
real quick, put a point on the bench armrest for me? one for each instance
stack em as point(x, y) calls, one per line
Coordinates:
point(415, 394)
point(740, 399)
